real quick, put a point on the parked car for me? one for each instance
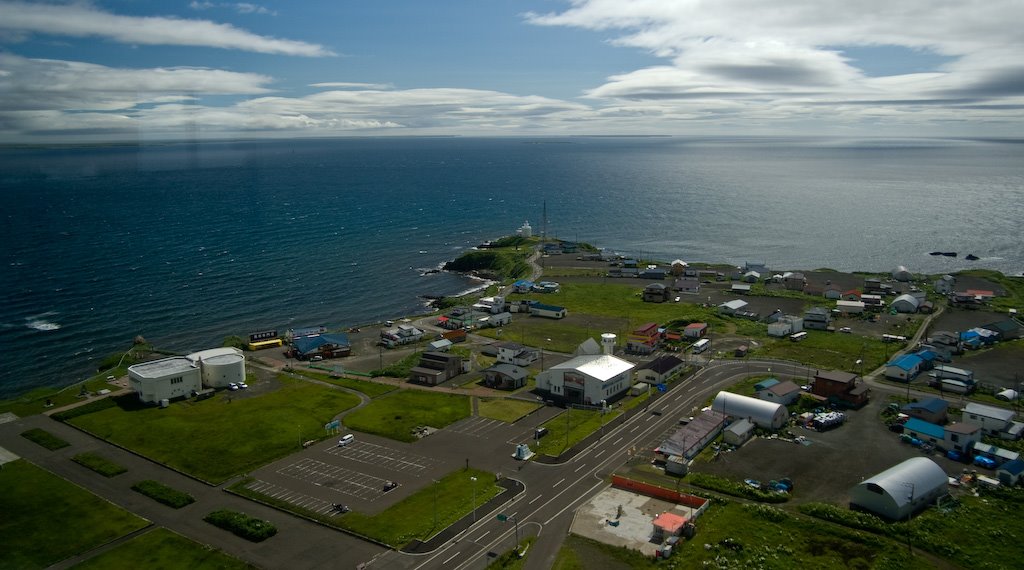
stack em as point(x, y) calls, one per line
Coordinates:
point(846, 330)
point(243, 385)
point(232, 386)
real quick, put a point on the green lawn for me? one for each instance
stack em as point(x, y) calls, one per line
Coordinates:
point(226, 435)
point(395, 415)
point(752, 536)
point(581, 423)
point(413, 517)
point(161, 549)
point(371, 389)
point(47, 519)
point(832, 351)
point(44, 438)
point(505, 409)
point(99, 464)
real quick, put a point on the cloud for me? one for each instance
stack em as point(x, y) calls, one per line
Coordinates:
point(349, 85)
point(761, 60)
point(240, 7)
point(79, 20)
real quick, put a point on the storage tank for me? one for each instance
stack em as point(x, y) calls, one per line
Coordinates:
point(222, 369)
point(608, 343)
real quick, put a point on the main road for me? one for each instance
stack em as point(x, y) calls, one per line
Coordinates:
point(553, 492)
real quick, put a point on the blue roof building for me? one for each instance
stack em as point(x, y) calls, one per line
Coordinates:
point(1011, 472)
point(924, 431)
point(971, 338)
point(928, 356)
point(765, 384)
point(930, 410)
point(904, 368)
point(328, 345)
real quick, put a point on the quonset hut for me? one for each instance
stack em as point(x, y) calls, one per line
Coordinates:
point(767, 415)
point(902, 490)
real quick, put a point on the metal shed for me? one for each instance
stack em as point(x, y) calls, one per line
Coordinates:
point(902, 490)
point(767, 415)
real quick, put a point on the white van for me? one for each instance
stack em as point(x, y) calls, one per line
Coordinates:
point(346, 439)
point(797, 337)
point(701, 345)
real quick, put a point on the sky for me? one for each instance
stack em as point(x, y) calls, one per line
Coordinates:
point(142, 70)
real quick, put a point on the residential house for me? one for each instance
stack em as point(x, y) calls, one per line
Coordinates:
point(402, 334)
point(492, 305)
point(738, 432)
point(840, 387)
point(933, 410)
point(784, 393)
point(751, 277)
point(962, 437)
point(678, 267)
point(730, 307)
point(817, 318)
point(831, 292)
point(785, 325)
point(516, 354)
point(925, 431)
point(656, 293)
point(688, 285)
point(794, 281)
point(653, 273)
point(904, 368)
point(945, 285)
point(644, 339)
point(440, 345)
point(435, 368)
point(659, 370)
point(1011, 472)
point(695, 330)
point(505, 376)
point(852, 295)
point(995, 421)
point(740, 289)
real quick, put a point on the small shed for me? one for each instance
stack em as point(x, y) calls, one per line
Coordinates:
point(441, 345)
point(668, 524)
point(738, 432)
point(1011, 472)
point(695, 330)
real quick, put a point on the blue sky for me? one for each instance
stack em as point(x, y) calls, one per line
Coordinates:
point(149, 70)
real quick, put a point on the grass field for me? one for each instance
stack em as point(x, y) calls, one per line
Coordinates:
point(395, 415)
point(44, 438)
point(224, 436)
point(752, 536)
point(505, 409)
point(161, 548)
point(580, 424)
point(38, 510)
point(371, 389)
point(413, 517)
point(832, 351)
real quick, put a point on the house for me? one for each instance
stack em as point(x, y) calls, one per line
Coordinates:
point(659, 370)
point(644, 339)
point(851, 295)
point(786, 325)
point(902, 490)
point(961, 437)
point(784, 393)
point(740, 289)
point(905, 304)
point(440, 345)
point(928, 358)
point(904, 368)
point(933, 410)
point(926, 307)
point(494, 321)
point(841, 388)
point(655, 293)
point(165, 379)
point(902, 274)
point(402, 334)
point(505, 376)
point(751, 277)
point(516, 354)
point(653, 273)
point(831, 292)
point(991, 419)
point(1011, 472)
point(327, 345)
point(872, 302)
point(730, 307)
point(794, 281)
point(548, 311)
point(688, 285)
point(435, 368)
point(945, 285)
point(587, 379)
point(850, 307)
point(766, 415)
point(738, 432)
point(924, 431)
point(492, 305)
point(678, 267)
point(817, 318)
point(695, 330)
point(666, 525)
point(522, 286)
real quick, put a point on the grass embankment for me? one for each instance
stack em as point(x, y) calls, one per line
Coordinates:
point(506, 260)
point(161, 548)
point(395, 415)
point(505, 409)
point(44, 438)
point(578, 423)
point(226, 435)
point(47, 519)
point(413, 517)
point(371, 389)
point(99, 464)
point(730, 535)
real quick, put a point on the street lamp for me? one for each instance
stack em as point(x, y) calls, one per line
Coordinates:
point(473, 479)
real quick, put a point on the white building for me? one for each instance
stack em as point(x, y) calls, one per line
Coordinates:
point(492, 305)
point(220, 366)
point(850, 307)
point(730, 307)
point(767, 415)
point(900, 491)
point(587, 379)
point(165, 379)
point(991, 419)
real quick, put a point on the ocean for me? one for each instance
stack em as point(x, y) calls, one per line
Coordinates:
point(188, 243)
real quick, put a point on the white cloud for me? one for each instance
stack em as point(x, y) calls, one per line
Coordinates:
point(774, 61)
point(80, 20)
point(350, 85)
point(240, 7)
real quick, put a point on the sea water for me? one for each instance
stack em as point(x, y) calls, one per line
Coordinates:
point(187, 243)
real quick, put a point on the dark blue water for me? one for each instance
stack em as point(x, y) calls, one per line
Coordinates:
point(188, 243)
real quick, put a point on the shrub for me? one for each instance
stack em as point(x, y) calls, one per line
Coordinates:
point(735, 489)
point(242, 525)
point(163, 494)
point(99, 464)
point(44, 438)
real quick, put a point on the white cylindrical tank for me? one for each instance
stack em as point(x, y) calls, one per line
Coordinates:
point(608, 343)
point(221, 370)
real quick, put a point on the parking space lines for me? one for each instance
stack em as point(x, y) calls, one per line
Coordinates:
point(340, 479)
point(307, 502)
point(476, 426)
point(386, 457)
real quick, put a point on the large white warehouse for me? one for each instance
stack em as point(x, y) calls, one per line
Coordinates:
point(767, 415)
point(220, 366)
point(167, 378)
point(899, 491)
point(587, 379)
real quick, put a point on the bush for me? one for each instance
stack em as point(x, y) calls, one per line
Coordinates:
point(735, 489)
point(99, 464)
point(44, 438)
point(91, 407)
point(163, 494)
point(242, 525)
point(401, 368)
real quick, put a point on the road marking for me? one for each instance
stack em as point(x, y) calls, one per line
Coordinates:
point(598, 454)
point(634, 428)
point(452, 557)
point(577, 470)
point(481, 537)
point(616, 442)
point(560, 481)
point(537, 498)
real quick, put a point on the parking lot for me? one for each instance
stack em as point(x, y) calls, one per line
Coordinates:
point(387, 457)
point(353, 483)
point(479, 427)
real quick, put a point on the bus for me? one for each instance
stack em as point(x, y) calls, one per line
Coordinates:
point(797, 337)
point(701, 345)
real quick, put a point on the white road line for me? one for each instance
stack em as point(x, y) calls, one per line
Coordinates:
point(481, 537)
point(577, 470)
point(634, 428)
point(598, 454)
point(560, 481)
point(452, 557)
point(616, 442)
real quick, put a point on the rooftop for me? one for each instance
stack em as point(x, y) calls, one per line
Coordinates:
point(601, 366)
point(162, 367)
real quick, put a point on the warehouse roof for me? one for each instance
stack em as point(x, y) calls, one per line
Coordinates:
point(601, 366)
point(906, 362)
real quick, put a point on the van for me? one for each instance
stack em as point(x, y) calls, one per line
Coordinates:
point(540, 432)
point(346, 439)
point(797, 337)
point(701, 345)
